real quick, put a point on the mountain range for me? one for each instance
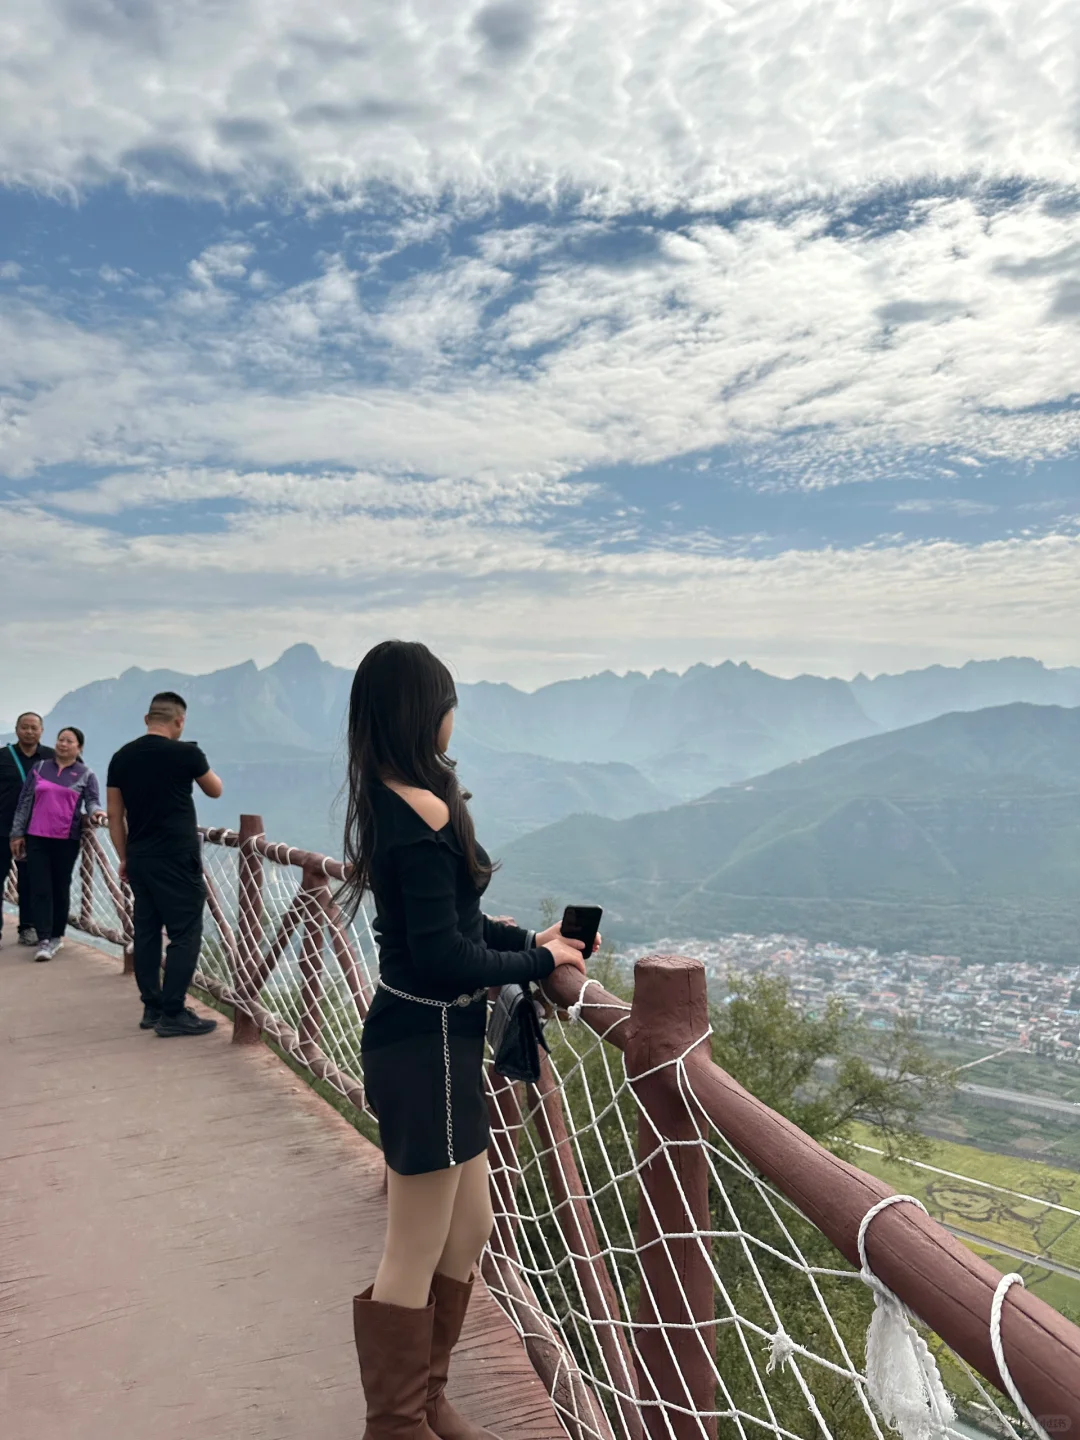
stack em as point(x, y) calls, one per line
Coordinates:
point(276, 736)
point(588, 780)
point(717, 724)
point(961, 834)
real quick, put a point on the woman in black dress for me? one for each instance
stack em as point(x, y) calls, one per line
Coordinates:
point(410, 840)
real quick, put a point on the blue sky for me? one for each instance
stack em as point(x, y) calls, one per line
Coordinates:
point(561, 336)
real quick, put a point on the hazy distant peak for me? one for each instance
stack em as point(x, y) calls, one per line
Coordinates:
point(1014, 664)
point(245, 667)
point(296, 657)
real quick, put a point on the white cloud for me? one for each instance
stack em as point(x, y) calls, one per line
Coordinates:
point(944, 506)
point(326, 497)
point(621, 98)
point(227, 261)
point(940, 335)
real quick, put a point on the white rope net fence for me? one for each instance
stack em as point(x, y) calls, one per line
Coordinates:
point(313, 971)
point(783, 1346)
point(662, 1285)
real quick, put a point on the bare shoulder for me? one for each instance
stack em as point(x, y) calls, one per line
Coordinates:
point(428, 806)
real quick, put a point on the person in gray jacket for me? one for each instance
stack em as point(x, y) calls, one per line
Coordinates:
point(16, 762)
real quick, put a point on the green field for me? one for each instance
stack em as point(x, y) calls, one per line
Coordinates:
point(1027, 1225)
point(1015, 1070)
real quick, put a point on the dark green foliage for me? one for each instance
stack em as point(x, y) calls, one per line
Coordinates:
point(885, 1079)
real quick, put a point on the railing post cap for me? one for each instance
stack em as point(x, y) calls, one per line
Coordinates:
point(668, 963)
point(670, 1010)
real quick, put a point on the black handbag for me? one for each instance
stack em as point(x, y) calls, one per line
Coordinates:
point(515, 1034)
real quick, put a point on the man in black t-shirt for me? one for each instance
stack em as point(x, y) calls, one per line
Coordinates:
point(152, 825)
point(16, 762)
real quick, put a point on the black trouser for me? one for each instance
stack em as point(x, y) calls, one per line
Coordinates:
point(169, 892)
point(49, 864)
point(26, 918)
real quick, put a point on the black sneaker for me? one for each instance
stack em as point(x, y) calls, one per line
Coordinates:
point(186, 1023)
point(27, 935)
point(150, 1017)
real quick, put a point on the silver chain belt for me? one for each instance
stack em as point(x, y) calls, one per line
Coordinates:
point(445, 1006)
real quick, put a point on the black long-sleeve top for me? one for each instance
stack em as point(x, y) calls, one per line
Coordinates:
point(13, 772)
point(433, 939)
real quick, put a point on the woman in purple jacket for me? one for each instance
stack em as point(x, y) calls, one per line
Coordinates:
point(46, 832)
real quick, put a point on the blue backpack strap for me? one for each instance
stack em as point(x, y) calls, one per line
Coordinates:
point(18, 763)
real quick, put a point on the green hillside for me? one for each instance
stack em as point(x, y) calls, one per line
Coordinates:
point(1005, 749)
point(960, 834)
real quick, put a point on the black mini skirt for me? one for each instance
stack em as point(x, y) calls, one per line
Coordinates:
point(421, 1128)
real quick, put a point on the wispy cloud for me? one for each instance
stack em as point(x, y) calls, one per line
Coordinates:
point(504, 602)
point(943, 506)
point(771, 333)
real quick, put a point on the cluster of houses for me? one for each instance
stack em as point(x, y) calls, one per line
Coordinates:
point(1034, 1007)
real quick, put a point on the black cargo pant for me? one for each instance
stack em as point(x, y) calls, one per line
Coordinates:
point(169, 893)
point(7, 860)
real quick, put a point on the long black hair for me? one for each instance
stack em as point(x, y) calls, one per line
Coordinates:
point(401, 693)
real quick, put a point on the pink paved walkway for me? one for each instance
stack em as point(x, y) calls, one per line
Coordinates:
point(182, 1225)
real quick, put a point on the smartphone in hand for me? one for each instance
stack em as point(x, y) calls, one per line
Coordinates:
point(582, 922)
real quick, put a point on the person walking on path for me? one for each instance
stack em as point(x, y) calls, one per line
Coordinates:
point(16, 762)
point(47, 832)
point(410, 840)
point(153, 828)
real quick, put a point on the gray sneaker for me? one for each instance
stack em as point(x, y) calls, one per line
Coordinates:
point(57, 944)
point(44, 951)
point(27, 935)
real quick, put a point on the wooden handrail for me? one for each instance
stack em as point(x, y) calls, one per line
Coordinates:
point(302, 859)
point(942, 1282)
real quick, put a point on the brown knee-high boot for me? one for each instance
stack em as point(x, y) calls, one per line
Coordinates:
point(451, 1302)
point(393, 1345)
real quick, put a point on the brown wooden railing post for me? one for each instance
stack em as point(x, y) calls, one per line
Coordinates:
point(571, 1207)
point(127, 922)
point(311, 965)
point(502, 1269)
point(86, 877)
point(250, 926)
point(670, 1013)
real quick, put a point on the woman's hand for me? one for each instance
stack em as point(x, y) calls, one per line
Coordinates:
point(18, 847)
point(99, 818)
point(554, 932)
point(566, 952)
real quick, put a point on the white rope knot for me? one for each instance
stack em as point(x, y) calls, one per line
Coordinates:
point(1004, 1286)
point(781, 1349)
point(574, 1012)
point(901, 1374)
